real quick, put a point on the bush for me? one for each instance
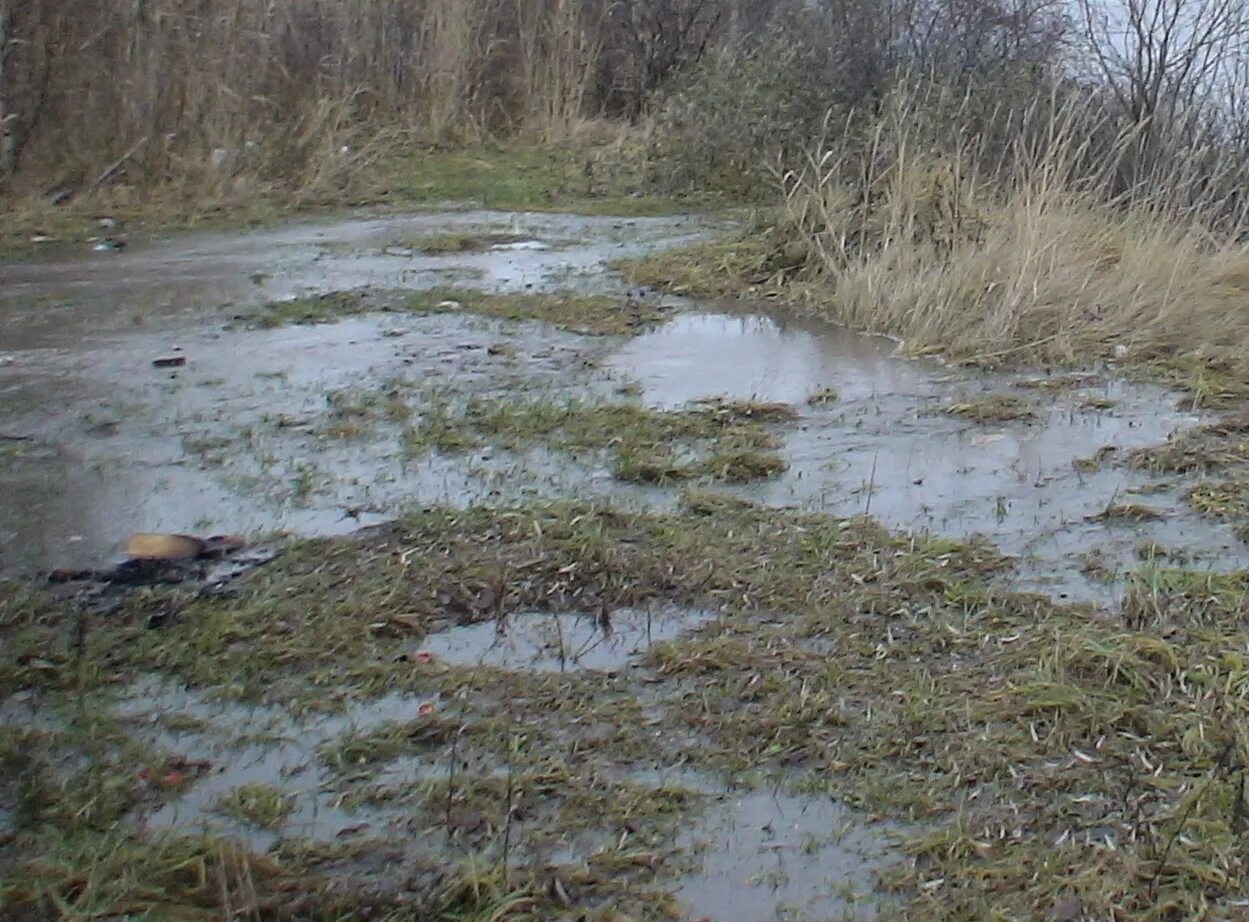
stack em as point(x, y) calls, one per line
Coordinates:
point(730, 123)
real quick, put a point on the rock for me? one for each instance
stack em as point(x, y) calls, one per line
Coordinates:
point(170, 361)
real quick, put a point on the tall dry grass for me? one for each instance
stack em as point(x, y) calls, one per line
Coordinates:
point(201, 93)
point(1045, 233)
point(204, 91)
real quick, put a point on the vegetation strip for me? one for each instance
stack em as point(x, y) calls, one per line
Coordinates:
point(1041, 754)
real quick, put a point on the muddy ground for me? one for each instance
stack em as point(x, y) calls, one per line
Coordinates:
point(590, 602)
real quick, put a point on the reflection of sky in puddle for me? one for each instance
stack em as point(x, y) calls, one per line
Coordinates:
point(118, 446)
point(256, 745)
point(563, 642)
point(885, 447)
point(767, 856)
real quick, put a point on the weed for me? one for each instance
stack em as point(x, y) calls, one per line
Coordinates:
point(999, 408)
point(718, 440)
point(259, 804)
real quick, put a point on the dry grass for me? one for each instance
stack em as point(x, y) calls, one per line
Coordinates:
point(1027, 254)
point(999, 408)
point(252, 89)
point(1006, 240)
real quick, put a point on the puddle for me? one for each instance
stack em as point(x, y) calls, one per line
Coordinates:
point(230, 443)
point(885, 447)
point(255, 745)
point(769, 856)
point(98, 443)
point(563, 642)
point(61, 296)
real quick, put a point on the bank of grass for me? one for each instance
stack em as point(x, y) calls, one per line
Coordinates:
point(1043, 757)
point(1031, 254)
point(1163, 308)
point(598, 176)
point(732, 441)
point(589, 315)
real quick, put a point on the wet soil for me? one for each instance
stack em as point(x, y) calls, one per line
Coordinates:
point(304, 429)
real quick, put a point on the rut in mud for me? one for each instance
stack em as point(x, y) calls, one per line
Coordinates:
point(648, 637)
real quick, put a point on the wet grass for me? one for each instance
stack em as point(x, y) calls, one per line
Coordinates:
point(1209, 384)
point(590, 315)
point(724, 441)
point(262, 805)
point(1206, 448)
point(324, 308)
point(1046, 756)
point(453, 242)
point(1127, 512)
point(710, 269)
point(518, 177)
point(998, 408)
point(1226, 499)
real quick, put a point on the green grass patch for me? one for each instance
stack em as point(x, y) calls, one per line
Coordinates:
point(590, 315)
point(520, 177)
point(262, 805)
point(324, 308)
point(731, 441)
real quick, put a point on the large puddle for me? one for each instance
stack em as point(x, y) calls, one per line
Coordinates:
point(100, 444)
point(886, 446)
point(96, 442)
point(66, 294)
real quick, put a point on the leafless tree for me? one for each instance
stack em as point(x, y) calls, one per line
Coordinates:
point(656, 37)
point(974, 37)
point(8, 118)
point(1160, 58)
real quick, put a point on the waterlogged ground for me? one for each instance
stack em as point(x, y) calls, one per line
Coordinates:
point(660, 663)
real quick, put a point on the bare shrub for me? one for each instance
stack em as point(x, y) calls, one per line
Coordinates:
point(766, 97)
